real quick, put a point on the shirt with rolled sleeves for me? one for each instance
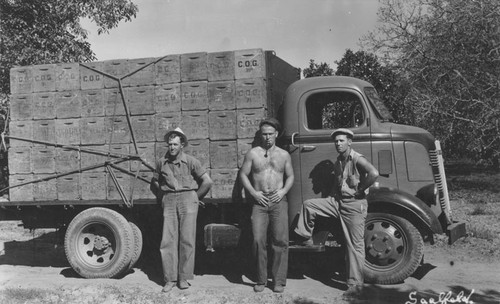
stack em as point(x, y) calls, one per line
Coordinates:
point(178, 175)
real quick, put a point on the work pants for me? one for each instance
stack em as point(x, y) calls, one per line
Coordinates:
point(177, 247)
point(352, 214)
point(274, 217)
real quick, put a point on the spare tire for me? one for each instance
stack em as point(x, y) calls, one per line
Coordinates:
point(98, 243)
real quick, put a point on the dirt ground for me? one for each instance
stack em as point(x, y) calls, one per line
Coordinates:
point(33, 269)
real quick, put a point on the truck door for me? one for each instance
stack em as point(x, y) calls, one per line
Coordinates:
point(320, 112)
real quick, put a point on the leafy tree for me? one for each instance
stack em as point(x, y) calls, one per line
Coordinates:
point(391, 88)
point(314, 69)
point(449, 52)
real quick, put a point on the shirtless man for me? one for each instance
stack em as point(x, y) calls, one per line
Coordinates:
point(267, 175)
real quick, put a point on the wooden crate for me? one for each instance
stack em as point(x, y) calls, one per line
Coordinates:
point(199, 149)
point(140, 100)
point(19, 160)
point(165, 122)
point(167, 98)
point(68, 131)
point(21, 107)
point(224, 182)
point(249, 64)
point(22, 129)
point(68, 187)
point(45, 131)
point(67, 76)
point(120, 149)
point(251, 93)
point(92, 102)
point(195, 124)
point(21, 80)
point(223, 155)
point(144, 71)
point(22, 193)
point(244, 145)
point(222, 125)
point(90, 79)
point(248, 122)
point(144, 128)
point(67, 160)
point(220, 66)
point(45, 190)
point(141, 188)
point(118, 68)
point(91, 159)
point(93, 131)
point(194, 66)
point(43, 160)
point(113, 102)
point(161, 148)
point(168, 69)
point(44, 105)
point(221, 95)
point(124, 182)
point(44, 78)
point(68, 104)
point(93, 185)
point(146, 151)
point(119, 128)
point(194, 95)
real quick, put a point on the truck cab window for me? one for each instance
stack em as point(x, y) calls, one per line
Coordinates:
point(331, 110)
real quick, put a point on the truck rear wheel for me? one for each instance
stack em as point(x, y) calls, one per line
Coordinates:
point(137, 247)
point(394, 248)
point(98, 243)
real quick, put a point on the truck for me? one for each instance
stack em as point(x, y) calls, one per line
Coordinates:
point(82, 138)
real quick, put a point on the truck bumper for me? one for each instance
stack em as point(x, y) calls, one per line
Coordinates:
point(455, 231)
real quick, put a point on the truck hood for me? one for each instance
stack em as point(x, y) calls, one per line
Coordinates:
point(397, 132)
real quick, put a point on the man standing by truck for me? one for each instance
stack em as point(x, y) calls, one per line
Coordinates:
point(353, 175)
point(267, 175)
point(182, 183)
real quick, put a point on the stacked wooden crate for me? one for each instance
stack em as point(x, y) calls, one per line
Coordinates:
point(217, 99)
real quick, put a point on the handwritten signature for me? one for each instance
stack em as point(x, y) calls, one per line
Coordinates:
point(443, 298)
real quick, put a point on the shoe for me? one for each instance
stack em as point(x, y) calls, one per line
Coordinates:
point(168, 287)
point(259, 287)
point(307, 243)
point(353, 292)
point(279, 288)
point(183, 284)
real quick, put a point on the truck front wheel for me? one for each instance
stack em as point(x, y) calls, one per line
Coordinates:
point(393, 247)
point(98, 243)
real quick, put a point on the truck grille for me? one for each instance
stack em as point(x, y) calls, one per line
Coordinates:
point(437, 164)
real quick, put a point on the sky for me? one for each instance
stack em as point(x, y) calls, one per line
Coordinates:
point(297, 30)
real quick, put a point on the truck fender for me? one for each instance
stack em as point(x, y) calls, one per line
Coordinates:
point(400, 203)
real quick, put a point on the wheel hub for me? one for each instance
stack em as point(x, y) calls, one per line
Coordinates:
point(101, 243)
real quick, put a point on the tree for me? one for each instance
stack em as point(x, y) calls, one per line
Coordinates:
point(391, 88)
point(449, 52)
point(47, 31)
point(314, 69)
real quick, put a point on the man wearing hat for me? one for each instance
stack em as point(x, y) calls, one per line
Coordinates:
point(267, 176)
point(353, 175)
point(181, 182)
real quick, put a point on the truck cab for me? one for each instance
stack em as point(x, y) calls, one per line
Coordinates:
point(409, 202)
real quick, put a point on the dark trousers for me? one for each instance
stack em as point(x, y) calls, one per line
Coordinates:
point(275, 218)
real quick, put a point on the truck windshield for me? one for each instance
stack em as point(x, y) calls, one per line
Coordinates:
point(377, 105)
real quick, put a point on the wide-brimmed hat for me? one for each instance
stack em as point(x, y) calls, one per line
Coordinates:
point(179, 132)
point(344, 131)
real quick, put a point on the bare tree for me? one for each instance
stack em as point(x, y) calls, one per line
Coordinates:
point(449, 52)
